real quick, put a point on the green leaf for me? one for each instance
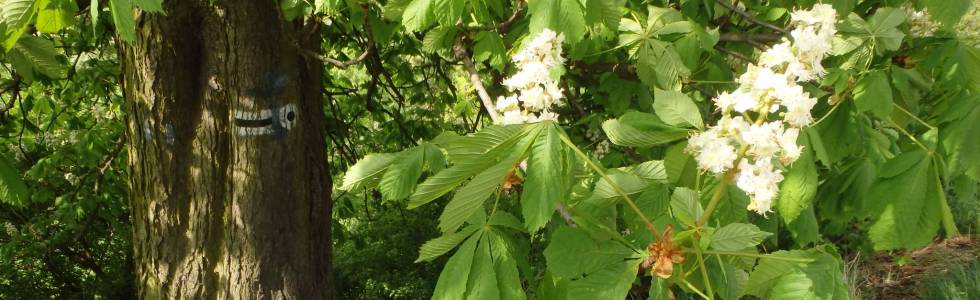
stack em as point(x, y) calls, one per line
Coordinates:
point(122, 16)
point(471, 196)
point(737, 236)
point(439, 39)
point(471, 155)
point(636, 129)
point(798, 189)
point(559, 15)
point(482, 283)
point(606, 12)
point(504, 254)
point(17, 15)
point(798, 274)
point(630, 184)
point(883, 28)
point(403, 173)
point(42, 56)
point(874, 93)
point(676, 108)
point(543, 189)
point(962, 143)
point(13, 191)
point(54, 15)
point(422, 14)
point(886, 17)
point(659, 65)
point(157, 5)
point(597, 269)
point(685, 205)
point(650, 170)
point(438, 246)
point(490, 47)
point(804, 228)
point(367, 171)
point(907, 203)
point(418, 15)
point(291, 9)
point(94, 10)
point(681, 167)
point(948, 12)
point(727, 279)
point(454, 276)
point(653, 202)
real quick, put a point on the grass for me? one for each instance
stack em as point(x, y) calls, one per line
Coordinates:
point(961, 281)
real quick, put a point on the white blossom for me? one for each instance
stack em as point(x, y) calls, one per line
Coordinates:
point(920, 22)
point(751, 139)
point(761, 139)
point(790, 151)
point(714, 152)
point(535, 91)
point(761, 182)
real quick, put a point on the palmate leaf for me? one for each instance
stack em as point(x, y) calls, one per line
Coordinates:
point(470, 156)
point(961, 141)
point(471, 196)
point(16, 15)
point(54, 15)
point(13, 191)
point(484, 267)
point(676, 108)
point(907, 203)
point(367, 172)
point(438, 246)
point(798, 189)
point(122, 16)
point(685, 206)
point(606, 12)
point(605, 193)
point(559, 15)
point(591, 269)
point(637, 129)
point(874, 93)
point(737, 236)
point(403, 173)
point(452, 281)
point(543, 187)
point(798, 274)
point(37, 56)
point(157, 5)
point(948, 12)
point(421, 14)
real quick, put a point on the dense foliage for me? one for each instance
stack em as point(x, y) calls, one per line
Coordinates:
point(598, 196)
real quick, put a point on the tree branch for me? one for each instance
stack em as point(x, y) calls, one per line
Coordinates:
point(749, 37)
point(751, 18)
point(346, 63)
point(461, 55)
point(504, 26)
point(734, 54)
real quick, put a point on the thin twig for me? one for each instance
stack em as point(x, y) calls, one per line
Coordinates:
point(734, 54)
point(749, 37)
point(749, 17)
point(345, 63)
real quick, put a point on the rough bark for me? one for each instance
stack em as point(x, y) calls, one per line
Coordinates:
point(217, 214)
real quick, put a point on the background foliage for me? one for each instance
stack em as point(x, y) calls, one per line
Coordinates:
point(898, 137)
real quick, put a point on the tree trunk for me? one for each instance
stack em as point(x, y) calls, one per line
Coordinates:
point(229, 187)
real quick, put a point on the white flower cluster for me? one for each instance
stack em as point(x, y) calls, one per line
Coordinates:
point(536, 90)
point(769, 87)
point(920, 23)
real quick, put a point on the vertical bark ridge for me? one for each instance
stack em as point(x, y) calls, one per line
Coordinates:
point(218, 215)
